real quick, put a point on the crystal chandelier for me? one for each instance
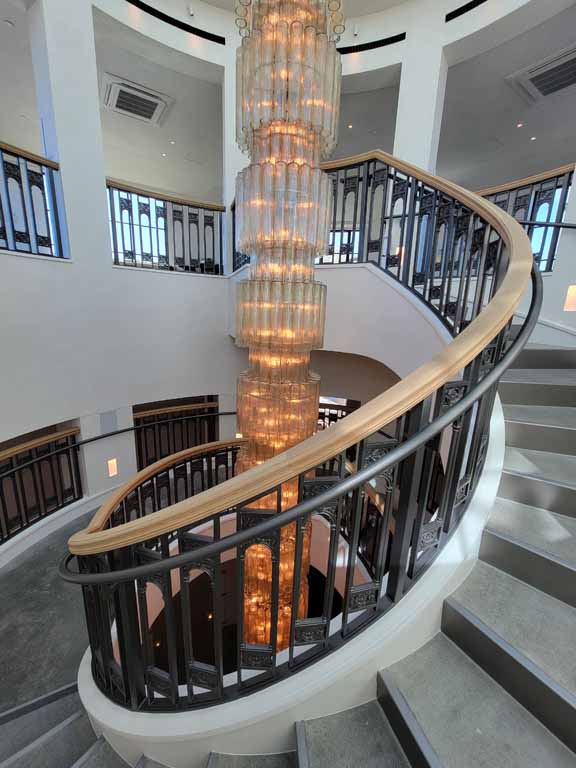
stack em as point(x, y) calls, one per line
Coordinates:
point(288, 97)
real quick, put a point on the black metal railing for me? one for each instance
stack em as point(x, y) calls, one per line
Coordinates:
point(28, 203)
point(155, 232)
point(37, 479)
point(540, 206)
point(384, 506)
point(164, 431)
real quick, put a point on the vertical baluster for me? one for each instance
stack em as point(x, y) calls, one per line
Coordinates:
point(128, 633)
point(410, 474)
point(355, 514)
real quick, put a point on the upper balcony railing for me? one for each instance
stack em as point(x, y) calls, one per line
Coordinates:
point(29, 189)
point(144, 577)
point(156, 231)
point(539, 204)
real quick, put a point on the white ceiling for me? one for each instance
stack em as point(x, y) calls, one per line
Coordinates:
point(352, 8)
point(480, 143)
point(133, 150)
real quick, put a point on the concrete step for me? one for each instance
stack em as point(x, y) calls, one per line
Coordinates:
point(540, 479)
point(358, 737)
point(287, 760)
point(523, 638)
point(59, 747)
point(541, 428)
point(533, 545)
point(538, 356)
point(539, 386)
point(469, 719)
point(20, 731)
point(146, 762)
point(100, 755)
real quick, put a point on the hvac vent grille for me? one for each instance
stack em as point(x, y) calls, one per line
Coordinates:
point(556, 79)
point(130, 102)
point(133, 100)
point(549, 76)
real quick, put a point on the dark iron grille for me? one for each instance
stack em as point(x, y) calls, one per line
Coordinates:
point(135, 105)
point(556, 79)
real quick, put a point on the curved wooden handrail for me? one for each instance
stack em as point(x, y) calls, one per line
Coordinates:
point(12, 150)
point(38, 442)
point(528, 181)
point(366, 420)
point(103, 514)
point(124, 186)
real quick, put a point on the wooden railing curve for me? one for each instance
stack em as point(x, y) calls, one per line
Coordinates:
point(386, 408)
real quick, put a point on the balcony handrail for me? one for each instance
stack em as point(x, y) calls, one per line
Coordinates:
point(38, 442)
point(385, 408)
point(351, 483)
point(159, 194)
point(103, 514)
point(528, 181)
point(25, 153)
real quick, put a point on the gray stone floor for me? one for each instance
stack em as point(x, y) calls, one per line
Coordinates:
point(42, 629)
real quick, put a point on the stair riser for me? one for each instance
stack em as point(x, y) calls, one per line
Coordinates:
point(521, 393)
point(550, 359)
point(540, 437)
point(538, 493)
point(554, 577)
point(405, 726)
point(539, 694)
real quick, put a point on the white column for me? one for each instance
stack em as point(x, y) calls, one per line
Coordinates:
point(64, 59)
point(234, 159)
point(421, 98)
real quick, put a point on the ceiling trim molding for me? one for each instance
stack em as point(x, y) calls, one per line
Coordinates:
point(166, 18)
point(373, 45)
point(466, 8)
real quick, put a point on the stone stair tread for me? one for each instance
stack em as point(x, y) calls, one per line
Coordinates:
point(536, 624)
point(18, 733)
point(358, 737)
point(285, 760)
point(147, 762)
point(60, 747)
point(554, 467)
point(100, 755)
point(556, 376)
point(552, 533)
point(470, 721)
point(542, 415)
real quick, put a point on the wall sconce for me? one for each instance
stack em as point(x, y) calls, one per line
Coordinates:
point(112, 467)
point(239, 436)
point(570, 305)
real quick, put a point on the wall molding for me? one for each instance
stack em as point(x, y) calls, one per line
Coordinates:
point(167, 19)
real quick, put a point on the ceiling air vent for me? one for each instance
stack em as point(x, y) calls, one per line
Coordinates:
point(549, 76)
point(133, 100)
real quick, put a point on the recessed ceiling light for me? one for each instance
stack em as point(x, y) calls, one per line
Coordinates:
point(533, 138)
point(520, 125)
point(350, 125)
point(8, 23)
point(172, 141)
point(163, 154)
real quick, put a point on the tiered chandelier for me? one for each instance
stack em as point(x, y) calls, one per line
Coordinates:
point(288, 97)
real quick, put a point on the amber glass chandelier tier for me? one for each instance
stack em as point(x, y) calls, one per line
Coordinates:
point(280, 315)
point(288, 95)
point(282, 204)
point(288, 72)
